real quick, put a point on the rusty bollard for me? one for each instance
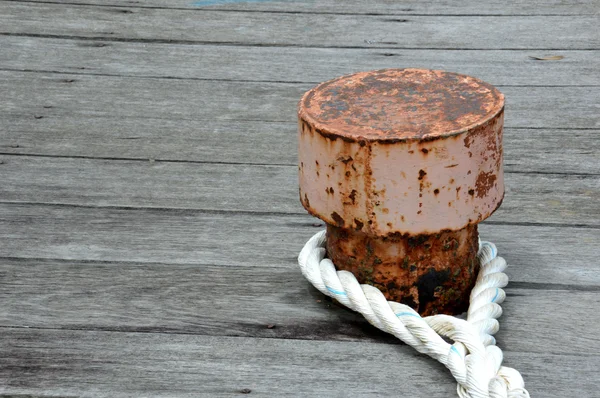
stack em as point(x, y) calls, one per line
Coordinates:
point(402, 164)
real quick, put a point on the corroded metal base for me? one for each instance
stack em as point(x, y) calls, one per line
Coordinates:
point(431, 273)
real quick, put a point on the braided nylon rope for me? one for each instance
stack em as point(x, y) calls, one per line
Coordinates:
point(474, 359)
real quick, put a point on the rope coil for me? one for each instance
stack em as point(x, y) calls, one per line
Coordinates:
point(473, 359)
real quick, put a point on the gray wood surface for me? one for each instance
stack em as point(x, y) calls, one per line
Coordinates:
point(290, 64)
point(567, 199)
point(556, 254)
point(306, 30)
point(40, 95)
point(138, 297)
point(142, 364)
point(382, 7)
point(149, 220)
point(542, 150)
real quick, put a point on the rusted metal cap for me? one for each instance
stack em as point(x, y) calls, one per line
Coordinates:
point(401, 151)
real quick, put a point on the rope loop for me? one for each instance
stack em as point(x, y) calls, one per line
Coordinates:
point(473, 359)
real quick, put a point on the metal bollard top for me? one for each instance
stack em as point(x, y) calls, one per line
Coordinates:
point(401, 151)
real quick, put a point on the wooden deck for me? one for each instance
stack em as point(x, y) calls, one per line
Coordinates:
point(149, 219)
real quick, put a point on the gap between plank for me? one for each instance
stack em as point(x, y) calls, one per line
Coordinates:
point(552, 286)
point(36, 155)
point(281, 45)
point(374, 14)
point(195, 78)
point(511, 285)
point(286, 121)
point(55, 72)
point(372, 339)
point(185, 210)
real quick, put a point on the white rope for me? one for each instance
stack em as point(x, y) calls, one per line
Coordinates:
point(474, 360)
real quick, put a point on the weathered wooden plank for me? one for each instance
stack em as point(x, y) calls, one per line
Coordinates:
point(512, 67)
point(292, 29)
point(40, 95)
point(540, 254)
point(534, 198)
point(383, 7)
point(243, 301)
point(83, 363)
point(525, 150)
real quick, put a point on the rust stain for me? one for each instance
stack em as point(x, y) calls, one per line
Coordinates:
point(339, 221)
point(432, 273)
point(468, 140)
point(346, 159)
point(422, 175)
point(485, 182)
point(352, 196)
point(359, 224)
point(441, 152)
point(392, 105)
point(368, 180)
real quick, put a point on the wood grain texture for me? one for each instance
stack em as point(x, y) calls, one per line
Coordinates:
point(525, 150)
point(244, 301)
point(540, 254)
point(504, 67)
point(306, 30)
point(383, 7)
point(103, 364)
point(42, 95)
point(532, 198)
point(149, 224)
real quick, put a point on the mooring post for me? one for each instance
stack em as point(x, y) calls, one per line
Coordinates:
point(402, 164)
